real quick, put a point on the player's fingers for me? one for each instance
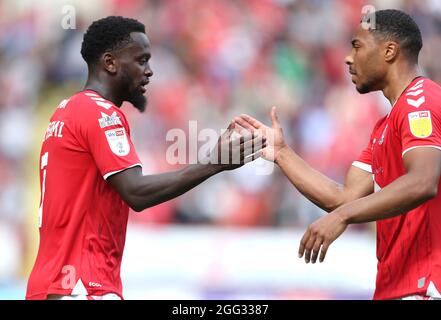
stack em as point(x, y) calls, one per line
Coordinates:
point(325, 247)
point(259, 140)
point(308, 248)
point(254, 145)
point(303, 242)
point(244, 124)
point(247, 135)
point(253, 148)
point(252, 121)
point(228, 132)
point(275, 118)
point(231, 125)
point(247, 147)
point(235, 149)
point(236, 139)
point(237, 126)
point(316, 249)
point(253, 157)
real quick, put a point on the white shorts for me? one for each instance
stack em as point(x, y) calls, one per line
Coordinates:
point(418, 297)
point(107, 296)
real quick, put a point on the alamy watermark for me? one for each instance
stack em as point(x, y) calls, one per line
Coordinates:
point(368, 21)
point(68, 19)
point(208, 146)
point(69, 278)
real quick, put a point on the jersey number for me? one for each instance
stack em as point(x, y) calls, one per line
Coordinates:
point(44, 159)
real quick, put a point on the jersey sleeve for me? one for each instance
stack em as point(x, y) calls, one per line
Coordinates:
point(364, 160)
point(107, 137)
point(419, 126)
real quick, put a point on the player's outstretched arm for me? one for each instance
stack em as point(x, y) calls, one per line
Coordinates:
point(141, 192)
point(418, 185)
point(324, 192)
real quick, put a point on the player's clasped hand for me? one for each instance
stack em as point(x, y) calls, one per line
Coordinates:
point(237, 147)
point(274, 134)
point(319, 236)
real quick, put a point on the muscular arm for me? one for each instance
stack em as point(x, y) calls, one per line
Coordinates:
point(141, 192)
point(324, 192)
point(419, 184)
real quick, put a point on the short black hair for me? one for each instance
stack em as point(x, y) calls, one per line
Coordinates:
point(397, 25)
point(108, 34)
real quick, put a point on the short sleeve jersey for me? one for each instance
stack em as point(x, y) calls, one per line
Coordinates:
point(408, 245)
point(82, 219)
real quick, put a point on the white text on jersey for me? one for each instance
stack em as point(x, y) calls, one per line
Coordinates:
point(54, 129)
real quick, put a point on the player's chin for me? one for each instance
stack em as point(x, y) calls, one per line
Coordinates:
point(138, 100)
point(362, 89)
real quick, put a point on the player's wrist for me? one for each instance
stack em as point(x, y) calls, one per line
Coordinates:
point(281, 154)
point(343, 215)
point(218, 168)
point(212, 161)
point(210, 165)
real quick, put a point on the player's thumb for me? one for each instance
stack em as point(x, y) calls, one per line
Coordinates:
point(230, 128)
point(274, 118)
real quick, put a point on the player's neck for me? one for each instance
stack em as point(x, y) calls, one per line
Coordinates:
point(398, 80)
point(103, 89)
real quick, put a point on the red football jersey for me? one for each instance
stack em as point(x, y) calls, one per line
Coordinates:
point(408, 245)
point(82, 219)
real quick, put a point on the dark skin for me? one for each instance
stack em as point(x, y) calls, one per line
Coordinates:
point(119, 76)
point(374, 64)
point(108, 76)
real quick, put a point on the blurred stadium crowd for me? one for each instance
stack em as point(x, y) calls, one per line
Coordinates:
point(212, 59)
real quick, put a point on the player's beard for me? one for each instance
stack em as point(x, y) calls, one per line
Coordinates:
point(371, 81)
point(363, 89)
point(366, 87)
point(134, 96)
point(138, 100)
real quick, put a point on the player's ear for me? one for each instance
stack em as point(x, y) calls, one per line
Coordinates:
point(109, 62)
point(392, 49)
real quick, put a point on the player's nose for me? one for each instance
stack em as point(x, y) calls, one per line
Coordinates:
point(349, 60)
point(148, 72)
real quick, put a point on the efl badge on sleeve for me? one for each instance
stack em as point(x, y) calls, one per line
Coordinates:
point(420, 124)
point(118, 142)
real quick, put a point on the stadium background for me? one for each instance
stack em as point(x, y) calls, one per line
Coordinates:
point(236, 235)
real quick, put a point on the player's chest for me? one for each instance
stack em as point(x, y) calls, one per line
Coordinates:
point(386, 146)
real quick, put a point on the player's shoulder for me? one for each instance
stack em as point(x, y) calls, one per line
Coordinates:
point(88, 106)
point(89, 102)
point(90, 112)
point(423, 94)
point(428, 86)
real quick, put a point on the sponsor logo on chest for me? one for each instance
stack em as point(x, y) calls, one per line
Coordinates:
point(380, 142)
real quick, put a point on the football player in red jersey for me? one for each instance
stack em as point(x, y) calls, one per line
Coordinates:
point(396, 178)
point(90, 173)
